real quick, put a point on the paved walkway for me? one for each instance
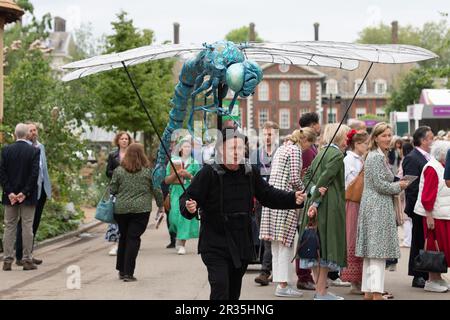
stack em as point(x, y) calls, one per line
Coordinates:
point(162, 274)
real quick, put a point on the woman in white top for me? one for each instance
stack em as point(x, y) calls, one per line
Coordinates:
point(353, 162)
point(433, 203)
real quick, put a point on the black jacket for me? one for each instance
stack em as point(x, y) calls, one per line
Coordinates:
point(413, 165)
point(113, 163)
point(231, 237)
point(19, 171)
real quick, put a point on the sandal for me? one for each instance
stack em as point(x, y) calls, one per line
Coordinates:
point(388, 295)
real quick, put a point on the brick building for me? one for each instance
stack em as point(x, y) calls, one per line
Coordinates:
point(288, 91)
point(373, 95)
point(284, 94)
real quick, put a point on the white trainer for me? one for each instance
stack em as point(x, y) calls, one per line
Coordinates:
point(113, 251)
point(181, 250)
point(328, 296)
point(288, 292)
point(444, 283)
point(435, 286)
point(338, 283)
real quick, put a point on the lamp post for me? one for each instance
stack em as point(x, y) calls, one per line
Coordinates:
point(9, 12)
point(329, 101)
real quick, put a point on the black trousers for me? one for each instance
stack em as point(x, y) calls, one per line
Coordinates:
point(37, 220)
point(225, 280)
point(173, 235)
point(266, 261)
point(417, 243)
point(131, 228)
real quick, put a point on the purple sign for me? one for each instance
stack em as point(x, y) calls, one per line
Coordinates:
point(441, 111)
point(370, 123)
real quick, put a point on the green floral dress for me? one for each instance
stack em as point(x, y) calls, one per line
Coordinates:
point(184, 228)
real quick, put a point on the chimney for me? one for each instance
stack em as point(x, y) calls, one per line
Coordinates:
point(316, 31)
point(176, 33)
point(252, 33)
point(60, 24)
point(394, 32)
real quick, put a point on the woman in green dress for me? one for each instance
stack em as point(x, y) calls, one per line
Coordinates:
point(329, 210)
point(185, 229)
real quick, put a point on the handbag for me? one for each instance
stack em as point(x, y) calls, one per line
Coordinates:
point(309, 247)
point(355, 188)
point(399, 214)
point(430, 261)
point(105, 208)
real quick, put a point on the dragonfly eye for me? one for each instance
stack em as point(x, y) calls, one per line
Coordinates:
point(235, 77)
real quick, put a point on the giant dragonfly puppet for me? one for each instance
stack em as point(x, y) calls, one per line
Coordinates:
point(224, 65)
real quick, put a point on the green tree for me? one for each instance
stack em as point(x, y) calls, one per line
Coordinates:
point(119, 108)
point(434, 36)
point(241, 35)
point(33, 92)
point(86, 44)
point(411, 85)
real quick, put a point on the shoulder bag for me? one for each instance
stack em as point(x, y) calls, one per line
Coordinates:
point(355, 188)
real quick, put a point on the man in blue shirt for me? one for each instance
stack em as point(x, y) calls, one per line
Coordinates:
point(44, 192)
point(262, 160)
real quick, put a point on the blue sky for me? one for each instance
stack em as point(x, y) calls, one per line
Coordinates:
point(278, 20)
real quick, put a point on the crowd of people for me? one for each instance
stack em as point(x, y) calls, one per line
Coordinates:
point(251, 204)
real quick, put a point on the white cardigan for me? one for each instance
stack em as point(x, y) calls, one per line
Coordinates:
point(441, 208)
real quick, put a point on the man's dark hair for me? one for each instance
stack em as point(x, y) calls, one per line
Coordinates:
point(229, 133)
point(308, 119)
point(420, 134)
point(407, 148)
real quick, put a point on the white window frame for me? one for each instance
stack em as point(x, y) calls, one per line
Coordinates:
point(360, 112)
point(285, 118)
point(263, 91)
point(383, 83)
point(380, 112)
point(363, 88)
point(284, 91)
point(305, 91)
point(331, 86)
point(262, 111)
point(333, 114)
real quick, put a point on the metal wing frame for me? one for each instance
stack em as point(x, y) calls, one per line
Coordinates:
point(310, 53)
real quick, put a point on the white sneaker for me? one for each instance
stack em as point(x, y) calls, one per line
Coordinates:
point(435, 286)
point(181, 250)
point(178, 244)
point(328, 296)
point(444, 283)
point(288, 292)
point(113, 251)
point(338, 283)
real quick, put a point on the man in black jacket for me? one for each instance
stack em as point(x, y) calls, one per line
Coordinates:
point(413, 165)
point(19, 171)
point(224, 195)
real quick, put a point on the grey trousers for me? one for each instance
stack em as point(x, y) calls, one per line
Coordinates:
point(12, 216)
